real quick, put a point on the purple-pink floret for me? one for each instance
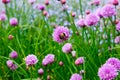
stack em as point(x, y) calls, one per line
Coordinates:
point(108, 10)
point(13, 54)
point(31, 1)
point(107, 72)
point(96, 2)
point(117, 40)
point(3, 17)
point(11, 65)
point(79, 61)
point(81, 23)
point(98, 12)
point(76, 77)
point(115, 62)
point(40, 7)
point(49, 59)
point(92, 19)
point(118, 26)
point(31, 60)
point(60, 34)
point(40, 71)
point(67, 48)
point(13, 21)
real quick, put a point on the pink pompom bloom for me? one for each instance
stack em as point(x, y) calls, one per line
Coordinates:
point(13, 22)
point(108, 10)
point(11, 65)
point(63, 1)
point(67, 48)
point(91, 19)
point(117, 40)
point(79, 61)
point(6, 1)
point(61, 63)
point(73, 14)
point(3, 17)
point(31, 1)
point(81, 23)
point(40, 71)
point(96, 2)
point(76, 77)
point(107, 72)
point(10, 37)
point(118, 26)
point(73, 53)
point(48, 59)
point(60, 34)
point(31, 60)
point(46, 2)
point(98, 12)
point(115, 62)
point(13, 54)
point(114, 2)
point(40, 7)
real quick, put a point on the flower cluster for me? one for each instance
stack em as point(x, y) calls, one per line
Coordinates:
point(48, 59)
point(109, 70)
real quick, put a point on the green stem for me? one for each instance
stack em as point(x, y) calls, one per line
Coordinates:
point(81, 11)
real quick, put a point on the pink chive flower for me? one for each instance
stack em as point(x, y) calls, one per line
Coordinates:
point(81, 23)
point(67, 48)
point(82, 72)
point(40, 7)
point(61, 63)
point(10, 37)
point(107, 72)
point(98, 12)
point(117, 40)
point(96, 2)
point(114, 2)
point(108, 10)
point(45, 13)
point(76, 77)
point(48, 77)
point(31, 1)
point(13, 22)
point(73, 14)
point(40, 71)
point(46, 2)
point(11, 65)
point(79, 61)
point(13, 54)
point(3, 17)
point(6, 1)
point(49, 59)
point(31, 60)
point(73, 53)
point(115, 62)
point(87, 12)
point(118, 26)
point(63, 1)
point(60, 34)
point(91, 19)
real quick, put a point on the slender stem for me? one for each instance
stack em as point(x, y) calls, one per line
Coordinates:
point(81, 11)
point(84, 70)
point(114, 30)
point(31, 73)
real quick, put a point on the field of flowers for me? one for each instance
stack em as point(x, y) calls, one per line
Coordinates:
point(59, 40)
